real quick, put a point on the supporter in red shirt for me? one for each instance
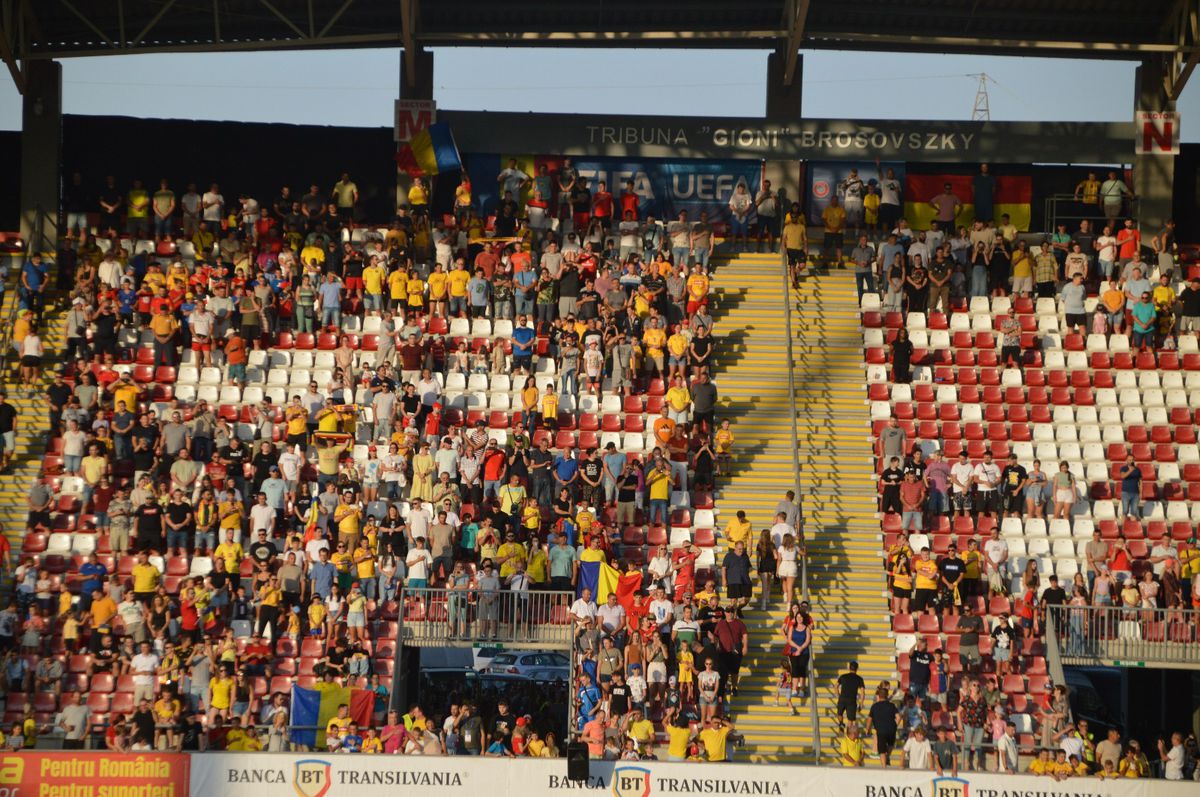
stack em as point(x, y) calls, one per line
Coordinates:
point(629, 200)
point(1129, 240)
point(602, 202)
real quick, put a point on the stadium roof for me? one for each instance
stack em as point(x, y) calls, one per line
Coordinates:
point(1076, 28)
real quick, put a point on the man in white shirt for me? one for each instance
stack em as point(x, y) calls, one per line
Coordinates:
point(1162, 552)
point(110, 272)
point(290, 463)
point(1172, 757)
point(918, 753)
point(780, 528)
point(313, 548)
point(202, 322)
point(996, 551)
point(612, 616)
point(662, 610)
point(419, 518)
point(512, 179)
point(419, 561)
point(212, 203)
point(1007, 759)
point(190, 203)
point(986, 476)
point(1106, 251)
point(961, 474)
point(583, 612)
point(145, 673)
point(262, 516)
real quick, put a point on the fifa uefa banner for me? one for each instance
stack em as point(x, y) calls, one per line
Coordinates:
point(33, 773)
point(323, 775)
point(664, 186)
point(826, 179)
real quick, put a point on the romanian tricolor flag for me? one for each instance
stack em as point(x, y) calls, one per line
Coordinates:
point(1013, 195)
point(312, 709)
point(598, 576)
point(432, 151)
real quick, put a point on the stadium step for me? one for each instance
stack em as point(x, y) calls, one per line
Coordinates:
point(32, 417)
point(846, 581)
point(836, 481)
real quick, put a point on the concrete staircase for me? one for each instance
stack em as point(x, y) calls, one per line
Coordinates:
point(836, 487)
point(32, 418)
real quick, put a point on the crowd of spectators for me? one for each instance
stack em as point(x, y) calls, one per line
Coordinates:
point(269, 420)
point(968, 598)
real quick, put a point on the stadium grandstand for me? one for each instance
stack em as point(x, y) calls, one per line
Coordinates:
point(877, 462)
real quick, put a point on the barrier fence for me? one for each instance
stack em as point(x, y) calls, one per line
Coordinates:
point(438, 617)
point(1123, 635)
point(99, 774)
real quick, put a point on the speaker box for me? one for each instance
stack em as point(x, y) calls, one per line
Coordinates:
point(577, 761)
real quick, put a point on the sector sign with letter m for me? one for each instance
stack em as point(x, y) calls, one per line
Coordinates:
point(1156, 132)
point(413, 116)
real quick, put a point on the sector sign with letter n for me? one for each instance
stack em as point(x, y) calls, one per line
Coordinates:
point(1157, 133)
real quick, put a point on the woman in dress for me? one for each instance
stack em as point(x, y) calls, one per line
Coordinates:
point(422, 481)
point(787, 569)
point(766, 564)
point(1148, 590)
point(703, 461)
point(1035, 491)
point(1064, 491)
point(797, 634)
point(902, 351)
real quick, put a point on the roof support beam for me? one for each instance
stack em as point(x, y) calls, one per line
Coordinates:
point(798, 12)
point(150, 25)
point(336, 15)
point(408, 39)
point(103, 36)
point(268, 5)
point(7, 55)
point(1186, 28)
point(1131, 50)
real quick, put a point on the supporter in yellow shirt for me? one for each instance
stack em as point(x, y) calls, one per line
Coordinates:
point(398, 286)
point(1042, 765)
point(416, 290)
point(373, 278)
point(145, 578)
point(738, 529)
point(458, 280)
point(231, 512)
point(230, 552)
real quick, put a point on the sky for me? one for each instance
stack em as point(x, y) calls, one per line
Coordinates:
point(357, 87)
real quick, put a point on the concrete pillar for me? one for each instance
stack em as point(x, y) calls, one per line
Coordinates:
point(1153, 175)
point(785, 180)
point(419, 84)
point(41, 150)
point(783, 102)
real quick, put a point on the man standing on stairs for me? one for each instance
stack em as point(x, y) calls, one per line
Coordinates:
point(790, 510)
point(851, 689)
point(863, 256)
point(834, 218)
point(735, 571)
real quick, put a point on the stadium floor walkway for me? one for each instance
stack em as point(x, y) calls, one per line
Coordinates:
point(836, 487)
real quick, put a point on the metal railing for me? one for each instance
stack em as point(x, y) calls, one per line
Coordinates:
point(814, 714)
point(1124, 637)
point(1066, 209)
point(447, 617)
